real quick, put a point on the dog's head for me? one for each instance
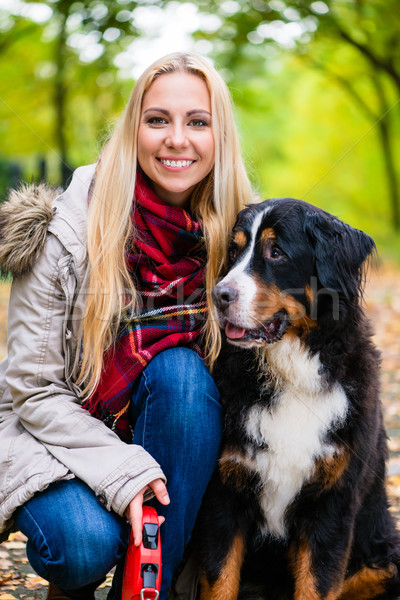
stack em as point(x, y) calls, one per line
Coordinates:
point(291, 265)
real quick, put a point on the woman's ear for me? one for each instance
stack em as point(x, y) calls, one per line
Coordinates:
point(340, 252)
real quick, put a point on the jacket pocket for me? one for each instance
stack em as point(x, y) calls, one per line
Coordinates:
point(68, 285)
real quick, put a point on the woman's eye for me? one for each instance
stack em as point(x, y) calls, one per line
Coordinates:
point(198, 123)
point(156, 121)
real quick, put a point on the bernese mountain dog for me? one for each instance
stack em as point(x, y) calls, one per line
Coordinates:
point(297, 508)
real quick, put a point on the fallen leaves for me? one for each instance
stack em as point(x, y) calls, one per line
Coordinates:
point(17, 580)
point(383, 308)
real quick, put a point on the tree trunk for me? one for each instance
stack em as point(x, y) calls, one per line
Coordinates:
point(60, 102)
point(386, 139)
point(384, 125)
point(391, 173)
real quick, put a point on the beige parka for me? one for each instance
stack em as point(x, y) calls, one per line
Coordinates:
point(45, 434)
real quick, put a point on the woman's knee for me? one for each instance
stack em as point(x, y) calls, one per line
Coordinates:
point(74, 547)
point(181, 405)
point(79, 557)
point(180, 373)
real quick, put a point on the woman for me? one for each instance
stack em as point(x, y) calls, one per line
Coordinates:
point(109, 333)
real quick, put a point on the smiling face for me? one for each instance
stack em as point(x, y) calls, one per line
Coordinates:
point(175, 137)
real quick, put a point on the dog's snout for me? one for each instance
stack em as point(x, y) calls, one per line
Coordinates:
point(223, 296)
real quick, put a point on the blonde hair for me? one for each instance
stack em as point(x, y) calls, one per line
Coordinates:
point(216, 200)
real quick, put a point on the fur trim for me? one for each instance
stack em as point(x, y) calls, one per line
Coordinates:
point(24, 219)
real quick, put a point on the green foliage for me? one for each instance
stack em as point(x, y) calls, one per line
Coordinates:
point(338, 109)
point(57, 91)
point(304, 137)
point(313, 102)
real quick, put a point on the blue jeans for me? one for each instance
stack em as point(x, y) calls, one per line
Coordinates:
point(176, 415)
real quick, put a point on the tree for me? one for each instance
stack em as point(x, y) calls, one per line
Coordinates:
point(83, 40)
point(367, 30)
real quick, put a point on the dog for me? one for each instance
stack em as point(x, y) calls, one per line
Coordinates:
point(297, 508)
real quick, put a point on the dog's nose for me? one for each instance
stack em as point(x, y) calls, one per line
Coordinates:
point(223, 296)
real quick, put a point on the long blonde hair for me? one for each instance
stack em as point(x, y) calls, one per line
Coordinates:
point(216, 200)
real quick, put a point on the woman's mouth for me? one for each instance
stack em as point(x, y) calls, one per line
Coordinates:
point(181, 163)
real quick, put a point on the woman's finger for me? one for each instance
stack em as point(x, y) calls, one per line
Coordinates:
point(160, 491)
point(135, 510)
point(136, 518)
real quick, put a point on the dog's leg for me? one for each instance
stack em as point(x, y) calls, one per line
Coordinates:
point(333, 532)
point(219, 540)
point(319, 554)
point(226, 585)
point(368, 583)
point(319, 574)
point(306, 577)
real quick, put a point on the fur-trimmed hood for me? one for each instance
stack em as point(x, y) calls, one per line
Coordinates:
point(24, 220)
point(32, 211)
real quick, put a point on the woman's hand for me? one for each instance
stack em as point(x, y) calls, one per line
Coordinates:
point(134, 512)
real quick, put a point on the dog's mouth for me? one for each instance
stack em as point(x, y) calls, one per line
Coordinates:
point(270, 331)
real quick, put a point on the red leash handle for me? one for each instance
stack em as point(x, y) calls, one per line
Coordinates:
point(142, 571)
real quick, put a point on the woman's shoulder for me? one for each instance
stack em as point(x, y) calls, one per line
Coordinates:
point(31, 211)
point(69, 222)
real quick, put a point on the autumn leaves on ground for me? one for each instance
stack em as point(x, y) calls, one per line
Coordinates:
point(18, 581)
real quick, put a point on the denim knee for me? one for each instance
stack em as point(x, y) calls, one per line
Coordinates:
point(176, 413)
point(71, 545)
point(177, 392)
point(79, 556)
point(180, 373)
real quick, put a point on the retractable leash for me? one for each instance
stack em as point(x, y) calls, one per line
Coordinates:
point(142, 571)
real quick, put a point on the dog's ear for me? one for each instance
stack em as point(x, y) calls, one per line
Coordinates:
point(340, 252)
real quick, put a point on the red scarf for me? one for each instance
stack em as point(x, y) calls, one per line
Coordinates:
point(167, 261)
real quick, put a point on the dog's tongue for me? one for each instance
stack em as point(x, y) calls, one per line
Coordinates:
point(234, 332)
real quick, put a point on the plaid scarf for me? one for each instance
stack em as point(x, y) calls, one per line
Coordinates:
point(167, 261)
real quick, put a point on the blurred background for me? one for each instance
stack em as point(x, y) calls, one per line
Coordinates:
point(316, 89)
point(316, 86)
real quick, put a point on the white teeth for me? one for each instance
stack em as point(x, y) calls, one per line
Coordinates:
point(176, 163)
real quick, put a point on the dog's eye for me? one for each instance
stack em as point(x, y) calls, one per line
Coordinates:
point(274, 252)
point(233, 253)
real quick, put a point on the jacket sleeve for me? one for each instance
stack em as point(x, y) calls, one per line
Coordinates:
point(45, 405)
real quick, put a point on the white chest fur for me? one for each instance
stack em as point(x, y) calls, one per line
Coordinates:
point(294, 428)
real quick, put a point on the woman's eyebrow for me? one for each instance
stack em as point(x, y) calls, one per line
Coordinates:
point(156, 109)
point(195, 111)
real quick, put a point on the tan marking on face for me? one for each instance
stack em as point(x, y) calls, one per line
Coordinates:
point(270, 299)
point(240, 239)
point(367, 583)
point(329, 470)
point(267, 301)
point(227, 585)
point(301, 327)
point(304, 576)
point(266, 235)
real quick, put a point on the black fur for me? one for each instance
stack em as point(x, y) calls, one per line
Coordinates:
point(338, 524)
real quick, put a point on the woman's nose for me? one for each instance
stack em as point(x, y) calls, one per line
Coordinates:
point(176, 137)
